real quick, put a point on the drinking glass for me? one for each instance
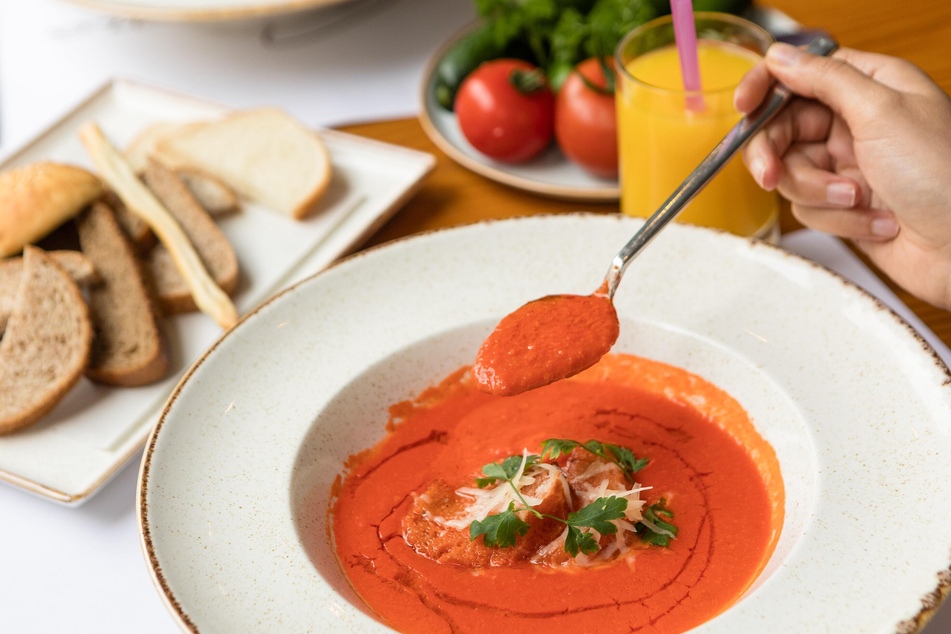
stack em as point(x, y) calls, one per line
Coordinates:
point(664, 131)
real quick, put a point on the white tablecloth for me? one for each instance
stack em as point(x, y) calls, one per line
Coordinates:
point(81, 570)
point(356, 61)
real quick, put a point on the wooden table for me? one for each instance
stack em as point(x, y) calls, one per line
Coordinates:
point(918, 31)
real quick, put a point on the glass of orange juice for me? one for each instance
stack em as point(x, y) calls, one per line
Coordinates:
point(664, 131)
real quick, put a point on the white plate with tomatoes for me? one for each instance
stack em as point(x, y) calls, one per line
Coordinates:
point(549, 172)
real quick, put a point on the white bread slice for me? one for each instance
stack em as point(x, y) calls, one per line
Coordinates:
point(39, 197)
point(213, 248)
point(211, 193)
point(264, 154)
point(46, 345)
point(143, 146)
point(215, 196)
point(128, 349)
point(77, 266)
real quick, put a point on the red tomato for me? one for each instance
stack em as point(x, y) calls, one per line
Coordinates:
point(585, 121)
point(498, 119)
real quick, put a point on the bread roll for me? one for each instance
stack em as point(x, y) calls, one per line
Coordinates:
point(39, 197)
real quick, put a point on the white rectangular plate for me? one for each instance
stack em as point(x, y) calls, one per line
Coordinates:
point(95, 429)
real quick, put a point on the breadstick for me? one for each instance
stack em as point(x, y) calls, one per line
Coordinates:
point(120, 177)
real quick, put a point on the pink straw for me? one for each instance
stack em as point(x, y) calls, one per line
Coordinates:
point(685, 34)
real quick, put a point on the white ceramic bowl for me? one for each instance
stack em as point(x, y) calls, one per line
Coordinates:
point(236, 478)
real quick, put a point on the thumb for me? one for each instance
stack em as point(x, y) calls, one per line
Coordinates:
point(848, 91)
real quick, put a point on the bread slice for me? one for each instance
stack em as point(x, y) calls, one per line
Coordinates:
point(265, 155)
point(37, 198)
point(217, 198)
point(119, 175)
point(143, 146)
point(46, 345)
point(210, 192)
point(76, 265)
point(213, 248)
point(135, 229)
point(129, 349)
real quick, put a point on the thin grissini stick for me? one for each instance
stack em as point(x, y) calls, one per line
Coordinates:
point(115, 170)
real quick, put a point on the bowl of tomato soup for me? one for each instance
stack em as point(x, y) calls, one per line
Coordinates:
point(330, 465)
point(717, 475)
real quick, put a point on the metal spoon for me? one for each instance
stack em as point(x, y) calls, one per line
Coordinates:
point(779, 96)
point(516, 357)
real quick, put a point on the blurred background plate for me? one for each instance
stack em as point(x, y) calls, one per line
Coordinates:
point(551, 174)
point(201, 10)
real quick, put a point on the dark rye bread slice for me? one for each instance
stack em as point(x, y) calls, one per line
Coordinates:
point(136, 230)
point(78, 266)
point(46, 345)
point(210, 243)
point(128, 349)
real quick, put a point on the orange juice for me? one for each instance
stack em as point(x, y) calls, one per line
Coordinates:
point(664, 133)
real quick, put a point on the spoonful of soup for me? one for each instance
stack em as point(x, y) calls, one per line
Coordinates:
point(558, 336)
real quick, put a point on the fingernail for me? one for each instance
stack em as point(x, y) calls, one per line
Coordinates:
point(785, 54)
point(840, 194)
point(758, 170)
point(884, 227)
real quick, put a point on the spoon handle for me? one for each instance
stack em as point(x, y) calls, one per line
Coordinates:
point(778, 97)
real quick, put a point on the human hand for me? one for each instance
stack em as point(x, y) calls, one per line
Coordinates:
point(866, 156)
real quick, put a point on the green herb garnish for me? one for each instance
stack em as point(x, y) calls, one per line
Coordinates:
point(654, 528)
point(596, 515)
point(623, 457)
point(502, 530)
point(505, 470)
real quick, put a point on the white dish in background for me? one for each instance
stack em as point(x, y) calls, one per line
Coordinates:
point(551, 174)
point(201, 10)
point(235, 482)
point(96, 429)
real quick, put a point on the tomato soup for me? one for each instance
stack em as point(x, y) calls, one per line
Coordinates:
point(544, 341)
point(720, 479)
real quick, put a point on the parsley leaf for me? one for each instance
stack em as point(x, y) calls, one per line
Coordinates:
point(576, 541)
point(554, 448)
point(623, 457)
point(654, 527)
point(598, 514)
point(505, 470)
point(500, 530)
point(626, 459)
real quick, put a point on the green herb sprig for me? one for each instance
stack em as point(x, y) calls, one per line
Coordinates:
point(655, 528)
point(624, 458)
